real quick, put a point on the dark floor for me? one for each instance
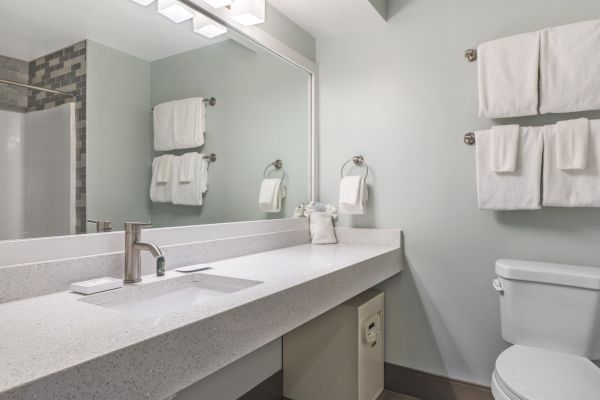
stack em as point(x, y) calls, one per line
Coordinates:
point(387, 395)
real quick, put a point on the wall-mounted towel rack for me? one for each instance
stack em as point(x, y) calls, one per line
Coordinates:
point(210, 101)
point(469, 138)
point(471, 55)
point(359, 161)
point(212, 157)
point(275, 165)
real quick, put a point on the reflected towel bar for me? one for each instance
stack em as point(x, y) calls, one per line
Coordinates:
point(469, 138)
point(33, 87)
point(211, 102)
point(471, 55)
point(212, 157)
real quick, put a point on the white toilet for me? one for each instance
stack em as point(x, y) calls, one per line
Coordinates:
point(551, 313)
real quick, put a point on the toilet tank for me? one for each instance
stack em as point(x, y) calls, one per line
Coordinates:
point(551, 306)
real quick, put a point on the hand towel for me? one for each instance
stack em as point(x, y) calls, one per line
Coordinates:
point(508, 76)
point(572, 144)
point(505, 146)
point(161, 184)
point(163, 126)
point(187, 163)
point(314, 207)
point(353, 194)
point(190, 193)
point(271, 194)
point(189, 123)
point(569, 65)
point(518, 190)
point(321, 228)
point(563, 188)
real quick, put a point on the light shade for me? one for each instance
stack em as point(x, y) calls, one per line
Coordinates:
point(207, 27)
point(174, 10)
point(248, 12)
point(219, 3)
point(144, 2)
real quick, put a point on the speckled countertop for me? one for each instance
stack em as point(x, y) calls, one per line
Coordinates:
point(57, 346)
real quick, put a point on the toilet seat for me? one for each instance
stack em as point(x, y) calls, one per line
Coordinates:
point(528, 373)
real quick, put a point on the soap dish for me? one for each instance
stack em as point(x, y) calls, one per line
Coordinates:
point(96, 285)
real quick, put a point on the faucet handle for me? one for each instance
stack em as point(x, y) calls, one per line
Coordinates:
point(136, 226)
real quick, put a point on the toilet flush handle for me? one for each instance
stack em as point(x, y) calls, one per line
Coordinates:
point(498, 286)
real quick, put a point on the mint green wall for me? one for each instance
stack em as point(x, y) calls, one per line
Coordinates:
point(119, 143)
point(403, 95)
point(261, 115)
point(285, 30)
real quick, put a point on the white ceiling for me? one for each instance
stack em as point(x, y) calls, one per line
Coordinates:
point(33, 28)
point(323, 18)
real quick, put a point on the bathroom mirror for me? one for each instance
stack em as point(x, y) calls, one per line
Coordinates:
point(83, 149)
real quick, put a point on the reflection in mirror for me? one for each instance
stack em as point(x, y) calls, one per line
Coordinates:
point(105, 116)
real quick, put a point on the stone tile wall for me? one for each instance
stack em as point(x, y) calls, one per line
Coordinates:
point(13, 98)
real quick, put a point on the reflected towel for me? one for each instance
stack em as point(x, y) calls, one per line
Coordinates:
point(189, 193)
point(163, 126)
point(189, 123)
point(161, 183)
point(508, 76)
point(572, 144)
point(505, 148)
point(272, 193)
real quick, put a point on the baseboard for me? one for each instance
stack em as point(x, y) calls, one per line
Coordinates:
point(426, 386)
point(269, 389)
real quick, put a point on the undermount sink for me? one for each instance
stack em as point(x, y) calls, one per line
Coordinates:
point(156, 299)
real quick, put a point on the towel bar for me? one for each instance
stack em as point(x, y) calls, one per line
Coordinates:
point(276, 165)
point(212, 157)
point(471, 55)
point(359, 161)
point(469, 138)
point(211, 102)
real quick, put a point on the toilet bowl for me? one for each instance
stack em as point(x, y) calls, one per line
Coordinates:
point(528, 373)
point(551, 315)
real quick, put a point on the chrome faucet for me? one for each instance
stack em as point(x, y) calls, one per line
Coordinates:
point(133, 249)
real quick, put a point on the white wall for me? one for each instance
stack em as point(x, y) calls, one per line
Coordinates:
point(11, 175)
point(403, 95)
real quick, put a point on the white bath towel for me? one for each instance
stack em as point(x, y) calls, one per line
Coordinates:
point(163, 126)
point(508, 76)
point(518, 190)
point(162, 178)
point(353, 195)
point(572, 188)
point(321, 228)
point(189, 123)
point(272, 193)
point(189, 193)
point(569, 65)
point(505, 148)
point(187, 165)
point(572, 144)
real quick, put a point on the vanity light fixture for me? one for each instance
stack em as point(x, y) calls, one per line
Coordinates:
point(248, 12)
point(207, 27)
point(175, 11)
point(219, 3)
point(144, 2)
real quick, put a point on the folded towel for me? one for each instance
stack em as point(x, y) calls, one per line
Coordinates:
point(321, 228)
point(189, 123)
point(353, 194)
point(564, 188)
point(272, 192)
point(518, 190)
point(572, 144)
point(187, 163)
point(161, 184)
point(508, 76)
point(505, 146)
point(163, 127)
point(189, 193)
point(314, 207)
point(569, 65)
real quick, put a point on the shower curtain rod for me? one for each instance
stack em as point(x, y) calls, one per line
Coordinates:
point(36, 88)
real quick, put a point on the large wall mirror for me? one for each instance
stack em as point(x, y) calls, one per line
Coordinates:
point(126, 86)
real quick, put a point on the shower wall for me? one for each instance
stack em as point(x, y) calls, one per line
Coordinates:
point(13, 98)
point(11, 175)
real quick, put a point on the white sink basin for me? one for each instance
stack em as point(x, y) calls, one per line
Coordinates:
point(153, 300)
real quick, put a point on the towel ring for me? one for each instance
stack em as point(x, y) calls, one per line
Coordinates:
point(359, 161)
point(276, 166)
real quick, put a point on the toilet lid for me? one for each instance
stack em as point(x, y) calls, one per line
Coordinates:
point(535, 374)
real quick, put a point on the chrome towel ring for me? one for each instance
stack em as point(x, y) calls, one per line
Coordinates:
point(276, 165)
point(359, 161)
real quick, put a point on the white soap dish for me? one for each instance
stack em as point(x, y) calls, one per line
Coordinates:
point(96, 285)
point(193, 268)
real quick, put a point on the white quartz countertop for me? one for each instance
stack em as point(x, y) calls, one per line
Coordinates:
point(58, 346)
